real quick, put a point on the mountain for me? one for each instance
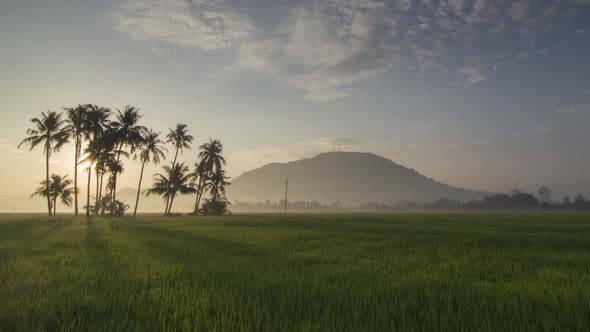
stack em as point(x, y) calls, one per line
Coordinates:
point(351, 177)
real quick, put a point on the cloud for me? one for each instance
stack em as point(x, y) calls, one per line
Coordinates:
point(324, 48)
point(200, 24)
point(575, 109)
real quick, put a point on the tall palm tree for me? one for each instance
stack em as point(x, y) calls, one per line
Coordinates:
point(210, 161)
point(98, 124)
point(153, 150)
point(176, 180)
point(48, 130)
point(93, 152)
point(57, 187)
point(103, 164)
point(181, 140)
point(76, 127)
point(98, 120)
point(127, 132)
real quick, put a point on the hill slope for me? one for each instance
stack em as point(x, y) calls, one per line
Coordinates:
point(351, 177)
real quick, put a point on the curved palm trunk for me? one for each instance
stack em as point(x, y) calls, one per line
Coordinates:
point(96, 194)
point(88, 192)
point(138, 189)
point(199, 196)
point(55, 206)
point(114, 188)
point(99, 191)
point(47, 180)
point(76, 156)
point(170, 207)
point(173, 163)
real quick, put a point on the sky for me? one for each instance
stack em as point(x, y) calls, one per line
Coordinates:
point(482, 94)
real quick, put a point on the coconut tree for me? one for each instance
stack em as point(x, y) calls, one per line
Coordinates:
point(175, 180)
point(98, 124)
point(218, 181)
point(180, 139)
point(48, 131)
point(94, 151)
point(58, 187)
point(210, 161)
point(126, 132)
point(76, 127)
point(153, 150)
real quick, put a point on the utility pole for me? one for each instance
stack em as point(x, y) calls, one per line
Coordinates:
point(286, 192)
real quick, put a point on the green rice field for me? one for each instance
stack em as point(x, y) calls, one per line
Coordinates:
point(316, 272)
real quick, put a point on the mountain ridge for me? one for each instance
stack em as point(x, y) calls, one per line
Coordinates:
point(349, 177)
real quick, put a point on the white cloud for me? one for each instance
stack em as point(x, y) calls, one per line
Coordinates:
point(575, 109)
point(201, 24)
point(324, 47)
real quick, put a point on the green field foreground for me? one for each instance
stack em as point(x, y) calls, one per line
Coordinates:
point(424, 272)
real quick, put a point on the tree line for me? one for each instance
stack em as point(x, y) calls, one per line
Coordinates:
point(498, 202)
point(102, 139)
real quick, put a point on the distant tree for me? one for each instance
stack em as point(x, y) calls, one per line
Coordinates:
point(48, 131)
point(153, 150)
point(76, 127)
point(175, 180)
point(498, 201)
point(58, 187)
point(581, 203)
point(523, 201)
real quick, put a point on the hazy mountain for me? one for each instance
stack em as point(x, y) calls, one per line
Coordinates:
point(351, 177)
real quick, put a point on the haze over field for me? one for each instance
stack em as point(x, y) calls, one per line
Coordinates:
point(480, 94)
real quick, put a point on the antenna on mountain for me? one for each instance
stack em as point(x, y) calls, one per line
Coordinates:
point(286, 192)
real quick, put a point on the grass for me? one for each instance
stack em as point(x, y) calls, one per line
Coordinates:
point(478, 272)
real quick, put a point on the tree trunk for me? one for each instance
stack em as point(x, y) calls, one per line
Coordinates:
point(99, 191)
point(88, 191)
point(198, 199)
point(76, 156)
point(47, 179)
point(114, 189)
point(54, 206)
point(173, 163)
point(138, 188)
point(199, 195)
point(170, 207)
point(96, 195)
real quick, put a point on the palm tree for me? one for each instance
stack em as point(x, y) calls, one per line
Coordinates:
point(175, 181)
point(49, 132)
point(98, 124)
point(210, 161)
point(98, 121)
point(94, 152)
point(126, 131)
point(76, 124)
point(56, 187)
point(217, 183)
point(153, 150)
point(181, 140)
point(217, 203)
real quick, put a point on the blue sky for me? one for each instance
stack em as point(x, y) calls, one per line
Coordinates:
point(481, 94)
